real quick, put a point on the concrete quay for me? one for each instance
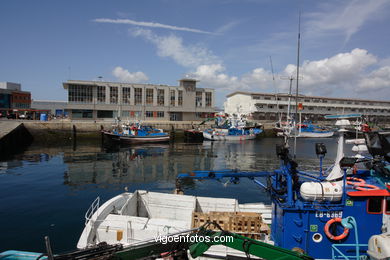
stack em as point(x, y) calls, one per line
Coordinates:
point(13, 137)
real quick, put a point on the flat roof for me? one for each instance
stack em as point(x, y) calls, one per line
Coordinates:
point(303, 96)
point(105, 83)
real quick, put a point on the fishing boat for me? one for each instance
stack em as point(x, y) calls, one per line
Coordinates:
point(231, 134)
point(133, 217)
point(234, 128)
point(135, 133)
point(326, 214)
point(304, 130)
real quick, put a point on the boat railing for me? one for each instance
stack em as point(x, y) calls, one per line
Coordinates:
point(92, 209)
point(358, 251)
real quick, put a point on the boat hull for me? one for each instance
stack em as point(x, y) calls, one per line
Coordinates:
point(315, 135)
point(193, 135)
point(144, 139)
point(135, 139)
point(223, 137)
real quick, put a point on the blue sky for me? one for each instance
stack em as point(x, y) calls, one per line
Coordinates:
point(225, 44)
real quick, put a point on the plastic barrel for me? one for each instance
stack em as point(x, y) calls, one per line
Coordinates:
point(43, 117)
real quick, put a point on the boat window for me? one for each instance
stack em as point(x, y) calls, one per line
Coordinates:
point(374, 205)
point(387, 203)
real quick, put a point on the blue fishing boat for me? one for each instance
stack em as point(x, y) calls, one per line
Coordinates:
point(342, 213)
point(135, 133)
point(232, 129)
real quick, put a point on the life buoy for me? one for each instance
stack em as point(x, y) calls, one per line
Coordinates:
point(330, 235)
point(355, 181)
point(365, 186)
point(360, 184)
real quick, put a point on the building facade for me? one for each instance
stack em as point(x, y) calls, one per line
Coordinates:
point(55, 108)
point(13, 98)
point(266, 106)
point(102, 100)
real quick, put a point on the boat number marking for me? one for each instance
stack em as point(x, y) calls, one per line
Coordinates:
point(329, 214)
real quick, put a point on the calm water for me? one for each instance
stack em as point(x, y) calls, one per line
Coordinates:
point(46, 191)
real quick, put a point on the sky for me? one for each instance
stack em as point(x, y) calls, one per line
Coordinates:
point(228, 45)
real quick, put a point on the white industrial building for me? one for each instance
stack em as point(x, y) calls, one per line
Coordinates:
point(266, 106)
point(100, 100)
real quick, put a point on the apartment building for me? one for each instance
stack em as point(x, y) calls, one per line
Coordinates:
point(266, 106)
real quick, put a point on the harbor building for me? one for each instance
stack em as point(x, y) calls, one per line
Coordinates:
point(12, 98)
point(55, 108)
point(107, 100)
point(266, 106)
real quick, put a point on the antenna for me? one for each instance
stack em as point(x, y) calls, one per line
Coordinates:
point(273, 82)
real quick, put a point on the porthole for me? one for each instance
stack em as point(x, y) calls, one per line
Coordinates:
point(317, 237)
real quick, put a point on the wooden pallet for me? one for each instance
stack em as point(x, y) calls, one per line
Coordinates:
point(249, 224)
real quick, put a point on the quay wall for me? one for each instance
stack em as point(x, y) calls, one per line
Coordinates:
point(14, 137)
point(65, 129)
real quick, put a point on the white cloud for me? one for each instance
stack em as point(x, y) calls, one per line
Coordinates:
point(342, 69)
point(172, 46)
point(126, 76)
point(149, 24)
point(345, 74)
point(375, 81)
point(346, 18)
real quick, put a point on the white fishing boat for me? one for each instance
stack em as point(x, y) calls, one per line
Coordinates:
point(133, 217)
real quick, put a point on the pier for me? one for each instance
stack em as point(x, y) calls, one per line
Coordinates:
point(13, 137)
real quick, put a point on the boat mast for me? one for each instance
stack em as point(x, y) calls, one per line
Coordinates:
point(298, 53)
point(296, 91)
point(276, 91)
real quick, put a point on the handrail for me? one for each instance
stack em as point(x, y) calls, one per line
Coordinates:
point(92, 209)
point(341, 255)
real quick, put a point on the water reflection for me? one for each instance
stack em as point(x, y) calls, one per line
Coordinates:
point(56, 185)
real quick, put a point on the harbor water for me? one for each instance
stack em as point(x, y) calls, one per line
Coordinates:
point(47, 190)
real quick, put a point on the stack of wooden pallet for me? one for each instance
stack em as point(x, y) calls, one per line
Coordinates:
point(249, 224)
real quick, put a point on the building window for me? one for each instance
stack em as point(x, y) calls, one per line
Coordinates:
point(105, 114)
point(126, 95)
point(173, 97)
point(149, 96)
point(198, 99)
point(324, 101)
point(180, 98)
point(270, 106)
point(255, 97)
point(80, 94)
point(149, 113)
point(160, 97)
point(267, 98)
point(113, 95)
point(81, 113)
point(307, 100)
point(208, 99)
point(160, 114)
point(101, 94)
point(137, 96)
